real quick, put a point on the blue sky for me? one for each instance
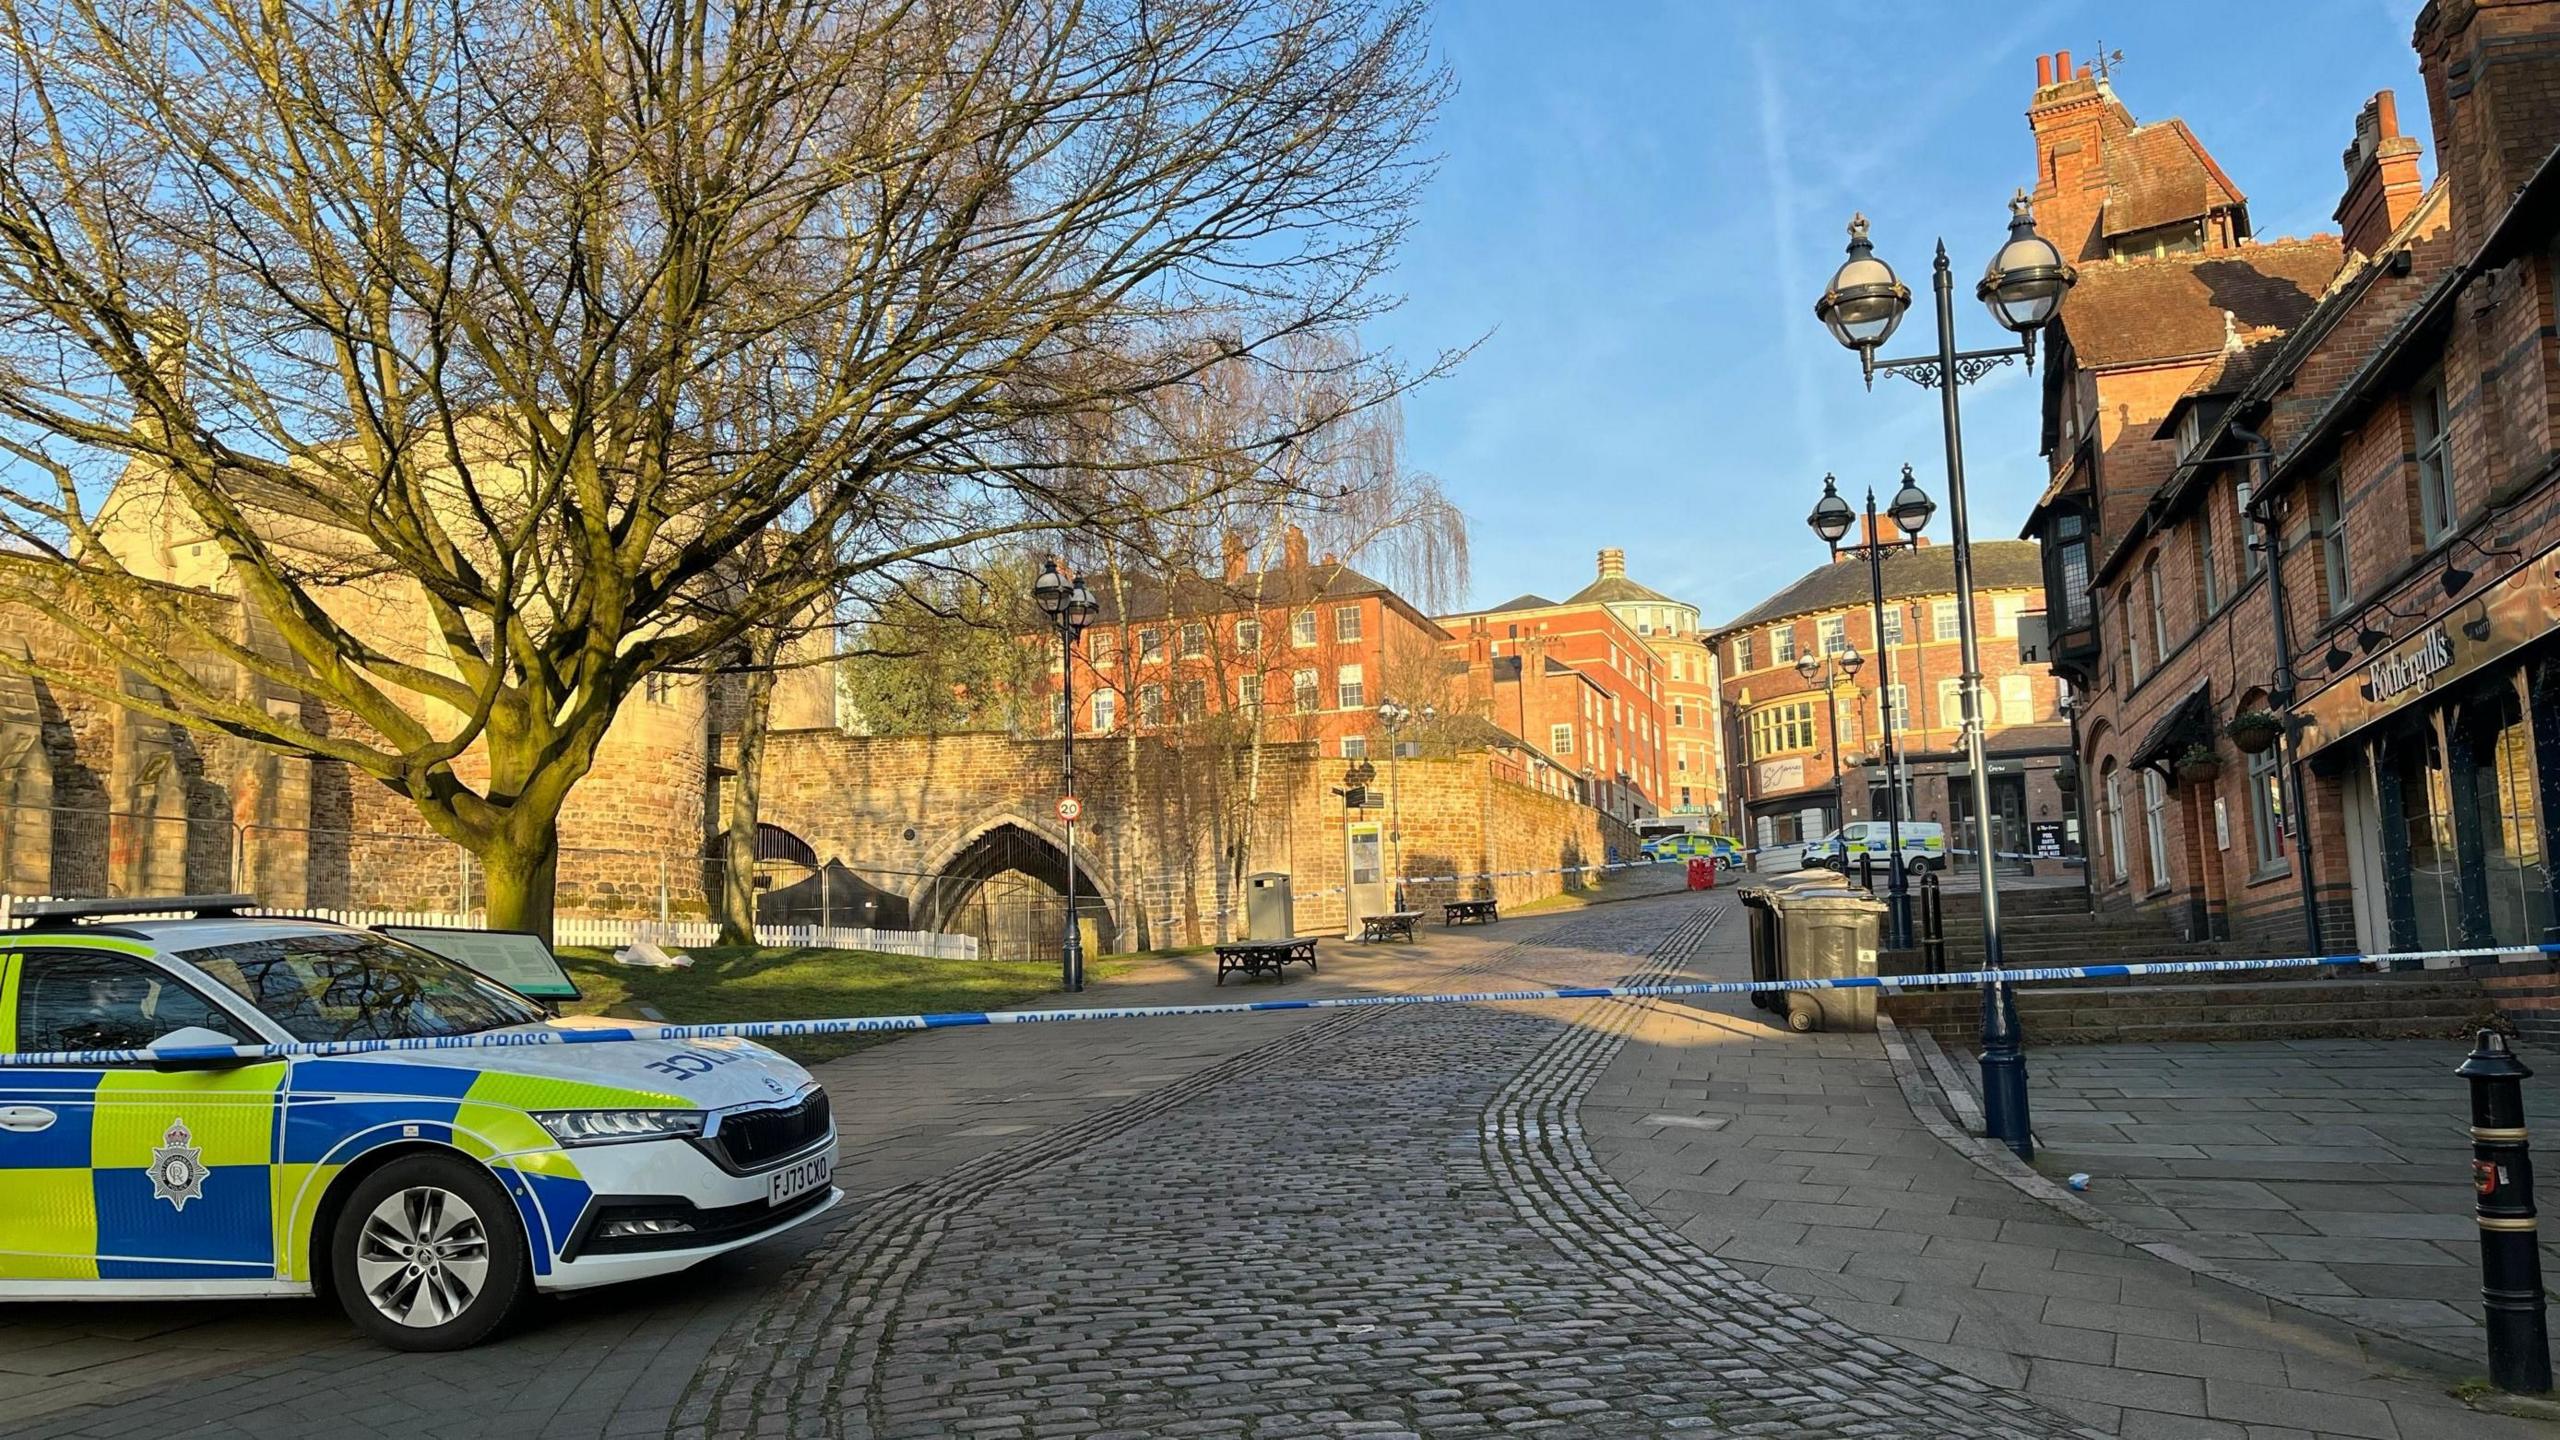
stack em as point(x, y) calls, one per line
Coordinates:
point(1639, 202)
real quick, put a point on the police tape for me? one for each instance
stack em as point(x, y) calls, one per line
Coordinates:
point(895, 1024)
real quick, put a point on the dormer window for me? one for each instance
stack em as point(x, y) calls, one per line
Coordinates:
point(2190, 432)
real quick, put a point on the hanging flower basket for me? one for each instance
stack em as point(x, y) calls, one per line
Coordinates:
point(2255, 731)
point(2199, 766)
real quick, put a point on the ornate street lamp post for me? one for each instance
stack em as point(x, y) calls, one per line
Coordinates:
point(1393, 715)
point(1831, 519)
point(1069, 606)
point(1827, 672)
point(2023, 287)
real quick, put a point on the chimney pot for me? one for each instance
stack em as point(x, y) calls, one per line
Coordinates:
point(1234, 557)
point(2061, 65)
point(2044, 71)
point(2383, 184)
point(1293, 548)
point(2083, 73)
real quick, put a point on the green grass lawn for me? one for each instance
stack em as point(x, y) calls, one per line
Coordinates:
point(757, 983)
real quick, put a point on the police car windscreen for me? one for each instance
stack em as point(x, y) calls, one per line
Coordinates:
point(521, 962)
point(336, 985)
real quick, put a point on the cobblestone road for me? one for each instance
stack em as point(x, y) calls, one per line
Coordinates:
point(1384, 1224)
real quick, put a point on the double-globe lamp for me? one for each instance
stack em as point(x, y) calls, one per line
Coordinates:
point(1070, 607)
point(1832, 517)
point(2023, 288)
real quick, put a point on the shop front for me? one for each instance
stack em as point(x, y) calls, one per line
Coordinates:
point(2446, 747)
point(1785, 809)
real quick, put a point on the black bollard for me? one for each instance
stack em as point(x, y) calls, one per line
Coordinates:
point(2510, 1238)
point(1933, 922)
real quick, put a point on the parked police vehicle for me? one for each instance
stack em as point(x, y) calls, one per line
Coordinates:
point(1924, 846)
point(429, 1190)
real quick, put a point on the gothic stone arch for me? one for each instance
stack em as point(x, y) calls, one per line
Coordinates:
point(990, 881)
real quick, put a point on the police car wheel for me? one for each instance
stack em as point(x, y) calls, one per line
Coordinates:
point(428, 1254)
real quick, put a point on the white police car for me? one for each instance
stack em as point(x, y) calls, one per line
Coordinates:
point(428, 1190)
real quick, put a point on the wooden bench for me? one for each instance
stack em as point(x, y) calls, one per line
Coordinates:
point(1265, 957)
point(1478, 912)
point(1389, 925)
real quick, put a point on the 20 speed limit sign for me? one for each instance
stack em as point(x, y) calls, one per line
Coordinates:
point(1069, 807)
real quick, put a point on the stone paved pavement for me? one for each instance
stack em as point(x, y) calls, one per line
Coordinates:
point(2336, 1171)
point(1380, 1225)
point(1370, 1222)
point(1798, 1160)
point(621, 1358)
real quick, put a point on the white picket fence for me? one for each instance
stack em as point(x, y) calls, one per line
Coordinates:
point(613, 933)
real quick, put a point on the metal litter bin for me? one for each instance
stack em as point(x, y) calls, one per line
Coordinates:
point(1269, 910)
point(1829, 931)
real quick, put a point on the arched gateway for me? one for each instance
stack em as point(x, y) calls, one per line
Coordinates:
point(1006, 882)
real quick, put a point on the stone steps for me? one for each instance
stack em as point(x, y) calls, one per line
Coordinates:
point(2384, 1006)
point(2444, 1027)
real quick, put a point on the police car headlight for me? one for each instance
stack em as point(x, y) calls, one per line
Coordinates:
point(615, 1127)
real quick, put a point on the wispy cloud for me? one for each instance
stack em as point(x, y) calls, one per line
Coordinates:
point(1785, 230)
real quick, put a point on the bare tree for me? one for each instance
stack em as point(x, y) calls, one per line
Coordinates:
point(1341, 488)
point(476, 339)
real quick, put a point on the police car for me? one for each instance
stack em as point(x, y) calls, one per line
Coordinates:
point(428, 1190)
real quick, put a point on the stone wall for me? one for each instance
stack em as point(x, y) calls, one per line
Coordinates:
point(102, 798)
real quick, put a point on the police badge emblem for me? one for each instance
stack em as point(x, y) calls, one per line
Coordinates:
point(177, 1168)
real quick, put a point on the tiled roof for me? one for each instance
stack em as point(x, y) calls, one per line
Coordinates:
point(2132, 312)
point(1152, 598)
point(2158, 175)
point(1617, 590)
point(1530, 601)
point(2228, 373)
point(1930, 570)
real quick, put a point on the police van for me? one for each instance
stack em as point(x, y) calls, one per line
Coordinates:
point(1924, 846)
point(427, 1190)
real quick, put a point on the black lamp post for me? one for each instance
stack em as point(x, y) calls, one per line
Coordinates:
point(1827, 672)
point(1070, 607)
point(1393, 714)
point(2023, 287)
point(1831, 519)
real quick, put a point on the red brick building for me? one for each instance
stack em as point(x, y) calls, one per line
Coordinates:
point(2346, 517)
point(1694, 750)
point(1577, 681)
point(1311, 644)
point(1784, 785)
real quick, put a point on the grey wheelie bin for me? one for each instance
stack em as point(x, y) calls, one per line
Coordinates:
point(1814, 926)
point(1763, 904)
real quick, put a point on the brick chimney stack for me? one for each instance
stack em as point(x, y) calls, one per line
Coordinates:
point(2491, 68)
point(1293, 548)
point(1613, 564)
point(2074, 117)
point(1234, 557)
point(2382, 177)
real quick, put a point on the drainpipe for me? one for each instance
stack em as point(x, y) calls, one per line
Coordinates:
point(2262, 455)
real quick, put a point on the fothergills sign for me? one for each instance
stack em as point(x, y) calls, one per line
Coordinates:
point(2521, 607)
point(2413, 667)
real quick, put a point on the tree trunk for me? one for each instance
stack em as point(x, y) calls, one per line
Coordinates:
point(522, 876)
point(1133, 899)
point(738, 866)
